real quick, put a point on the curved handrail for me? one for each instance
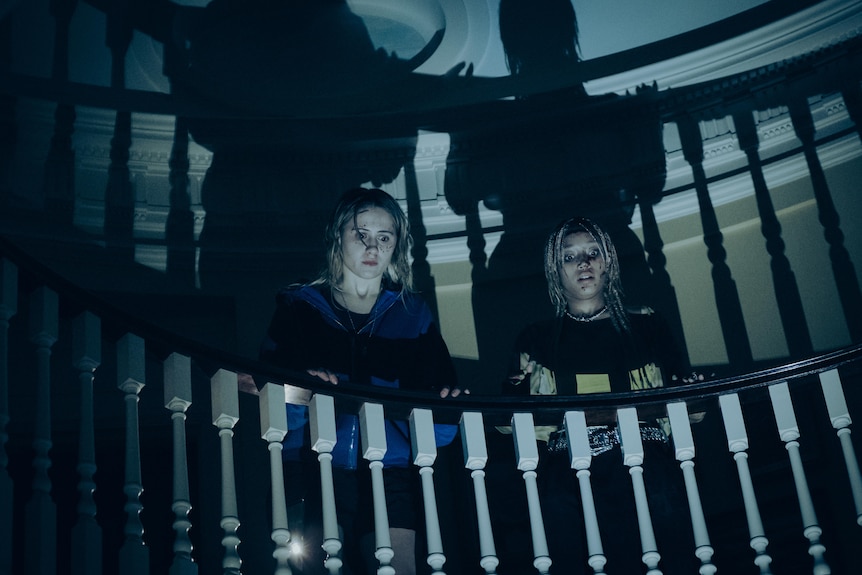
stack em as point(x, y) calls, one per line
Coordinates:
point(459, 93)
point(496, 409)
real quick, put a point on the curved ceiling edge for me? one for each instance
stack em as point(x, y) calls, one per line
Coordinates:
point(728, 47)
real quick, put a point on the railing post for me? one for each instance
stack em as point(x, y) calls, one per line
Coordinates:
point(373, 436)
point(225, 415)
point(424, 446)
point(527, 459)
point(41, 510)
point(843, 269)
point(727, 300)
point(273, 428)
point(581, 457)
point(8, 308)
point(737, 442)
point(475, 459)
point(86, 534)
point(59, 181)
point(321, 417)
point(178, 398)
point(134, 555)
point(788, 430)
point(633, 457)
point(683, 443)
point(839, 415)
point(783, 279)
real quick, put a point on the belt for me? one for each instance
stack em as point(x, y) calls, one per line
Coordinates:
point(602, 438)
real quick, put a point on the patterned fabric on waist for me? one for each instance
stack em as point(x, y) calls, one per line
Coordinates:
point(603, 438)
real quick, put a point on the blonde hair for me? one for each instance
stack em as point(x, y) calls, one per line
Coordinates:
point(398, 273)
point(613, 290)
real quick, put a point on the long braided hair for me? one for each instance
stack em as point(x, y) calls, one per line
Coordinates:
point(612, 292)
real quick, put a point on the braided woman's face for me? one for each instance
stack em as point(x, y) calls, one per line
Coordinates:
point(583, 271)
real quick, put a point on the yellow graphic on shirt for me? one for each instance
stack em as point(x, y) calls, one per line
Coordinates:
point(647, 377)
point(543, 382)
point(593, 383)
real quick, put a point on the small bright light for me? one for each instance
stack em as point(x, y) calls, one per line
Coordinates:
point(296, 548)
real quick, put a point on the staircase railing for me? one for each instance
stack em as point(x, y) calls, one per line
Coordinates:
point(128, 450)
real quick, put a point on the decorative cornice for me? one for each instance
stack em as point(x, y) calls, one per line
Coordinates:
point(818, 27)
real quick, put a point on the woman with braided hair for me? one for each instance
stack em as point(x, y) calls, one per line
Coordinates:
point(596, 344)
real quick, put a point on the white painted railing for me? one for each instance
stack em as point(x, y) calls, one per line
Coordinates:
point(772, 429)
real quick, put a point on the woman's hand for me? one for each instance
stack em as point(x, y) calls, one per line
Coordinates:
point(695, 377)
point(324, 374)
point(448, 392)
point(527, 368)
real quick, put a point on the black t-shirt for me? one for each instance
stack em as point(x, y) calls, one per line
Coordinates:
point(573, 358)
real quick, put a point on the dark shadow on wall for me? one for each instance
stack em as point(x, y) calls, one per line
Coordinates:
point(540, 159)
point(275, 177)
point(304, 107)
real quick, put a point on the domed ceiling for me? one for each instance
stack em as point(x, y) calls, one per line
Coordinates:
point(472, 27)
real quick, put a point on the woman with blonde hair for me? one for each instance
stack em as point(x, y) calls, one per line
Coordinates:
point(359, 322)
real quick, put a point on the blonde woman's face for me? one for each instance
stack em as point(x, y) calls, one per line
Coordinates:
point(368, 243)
point(583, 270)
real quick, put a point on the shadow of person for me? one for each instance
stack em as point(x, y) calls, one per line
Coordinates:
point(282, 77)
point(551, 153)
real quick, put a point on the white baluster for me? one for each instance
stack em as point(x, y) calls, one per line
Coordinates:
point(737, 442)
point(86, 534)
point(224, 389)
point(788, 430)
point(273, 428)
point(41, 509)
point(527, 459)
point(475, 459)
point(134, 555)
point(424, 445)
point(178, 398)
point(580, 458)
point(839, 415)
point(683, 443)
point(8, 308)
point(633, 457)
point(373, 436)
point(321, 415)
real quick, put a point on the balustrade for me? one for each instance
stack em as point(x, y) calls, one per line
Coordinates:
point(785, 497)
point(825, 497)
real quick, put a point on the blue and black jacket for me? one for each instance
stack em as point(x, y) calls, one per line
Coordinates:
point(399, 346)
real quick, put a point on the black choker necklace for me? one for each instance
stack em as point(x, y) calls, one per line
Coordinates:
point(587, 318)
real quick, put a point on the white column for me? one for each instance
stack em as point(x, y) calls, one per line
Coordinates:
point(836, 405)
point(321, 415)
point(424, 445)
point(580, 458)
point(373, 436)
point(224, 390)
point(683, 443)
point(788, 430)
point(86, 534)
point(475, 459)
point(134, 555)
point(737, 442)
point(527, 459)
point(273, 428)
point(8, 308)
point(41, 546)
point(178, 398)
point(633, 457)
